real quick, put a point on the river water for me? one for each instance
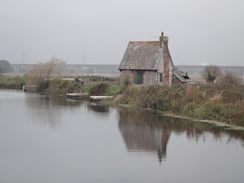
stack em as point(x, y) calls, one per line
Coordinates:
point(54, 140)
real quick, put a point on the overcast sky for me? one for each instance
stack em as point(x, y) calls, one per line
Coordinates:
point(98, 31)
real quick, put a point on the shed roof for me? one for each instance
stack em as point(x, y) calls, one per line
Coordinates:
point(141, 55)
point(180, 74)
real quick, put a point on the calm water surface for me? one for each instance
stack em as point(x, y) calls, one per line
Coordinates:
point(50, 140)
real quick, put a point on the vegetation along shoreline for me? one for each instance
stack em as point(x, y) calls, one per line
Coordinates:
point(213, 102)
point(221, 101)
point(219, 104)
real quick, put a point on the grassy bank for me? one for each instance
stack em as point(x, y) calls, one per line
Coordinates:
point(220, 102)
point(62, 87)
point(12, 82)
point(96, 85)
point(59, 86)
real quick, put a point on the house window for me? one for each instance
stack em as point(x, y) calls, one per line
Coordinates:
point(161, 77)
point(138, 77)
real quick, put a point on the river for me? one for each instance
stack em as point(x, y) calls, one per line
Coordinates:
point(55, 140)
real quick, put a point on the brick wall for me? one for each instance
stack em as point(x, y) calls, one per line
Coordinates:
point(149, 77)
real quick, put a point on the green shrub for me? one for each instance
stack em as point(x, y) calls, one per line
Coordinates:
point(113, 90)
point(98, 88)
point(233, 114)
point(62, 87)
point(16, 82)
point(189, 109)
point(222, 102)
point(208, 111)
point(43, 85)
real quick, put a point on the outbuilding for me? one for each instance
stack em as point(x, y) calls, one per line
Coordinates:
point(149, 63)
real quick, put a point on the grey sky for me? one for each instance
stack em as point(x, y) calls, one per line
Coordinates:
point(98, 31)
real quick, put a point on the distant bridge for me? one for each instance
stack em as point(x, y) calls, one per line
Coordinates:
point(113, 69)
point(73, 69)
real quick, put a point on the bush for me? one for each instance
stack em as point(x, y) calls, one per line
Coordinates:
point(230, 78)
point(98, 88)
point(189, 109)
point(43, 85)
point(209, 110)
point(113, 90)
point(222, 102)
point(12, 82)
point(62, 87)
point(211, 72)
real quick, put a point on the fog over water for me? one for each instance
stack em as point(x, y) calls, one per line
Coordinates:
point(98, 32)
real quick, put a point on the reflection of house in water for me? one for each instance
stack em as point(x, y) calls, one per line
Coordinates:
point(140, 134)
point(143, 131)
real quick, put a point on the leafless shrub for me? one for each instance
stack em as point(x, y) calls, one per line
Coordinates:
point(45, 71)
point(230, 78)
point(211, 73)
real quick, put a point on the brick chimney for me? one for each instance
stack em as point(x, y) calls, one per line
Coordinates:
point(166, 57)
point(163, 40)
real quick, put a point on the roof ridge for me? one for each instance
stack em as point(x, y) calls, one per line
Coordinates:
point(144, 41)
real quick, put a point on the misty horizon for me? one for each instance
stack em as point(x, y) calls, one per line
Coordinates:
point(98, 32)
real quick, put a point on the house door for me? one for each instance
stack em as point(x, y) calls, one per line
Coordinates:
point(139, 77)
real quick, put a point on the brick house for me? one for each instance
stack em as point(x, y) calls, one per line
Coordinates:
point(149, 62)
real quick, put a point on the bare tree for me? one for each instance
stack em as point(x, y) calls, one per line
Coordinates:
point(43, 72)
point(211, 73)
point(230, 77)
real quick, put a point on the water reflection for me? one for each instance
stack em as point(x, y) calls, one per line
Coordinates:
point(143, 131)
point(48, 109)
point(91, 139)
point(99, 108)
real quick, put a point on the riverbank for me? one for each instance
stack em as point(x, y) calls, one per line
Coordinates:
point(12, 82)
point(223, 125)
point(213, 102)
point(220, 124)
